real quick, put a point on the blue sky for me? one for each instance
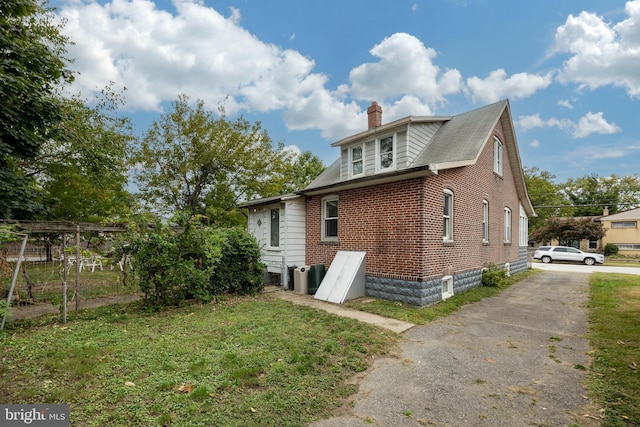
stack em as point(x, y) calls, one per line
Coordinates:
point(308, 70)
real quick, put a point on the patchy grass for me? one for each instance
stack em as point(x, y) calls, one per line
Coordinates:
point(245, 362)
point(615, 336)
point(423, 315)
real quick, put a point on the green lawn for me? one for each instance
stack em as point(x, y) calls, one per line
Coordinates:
point(615, 336)
point(262, 361)
point(246, 362)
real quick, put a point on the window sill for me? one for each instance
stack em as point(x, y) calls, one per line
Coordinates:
point(485, 243)
point(330, 242)
point(448, 243)
point(507, 243)
point(274, 249)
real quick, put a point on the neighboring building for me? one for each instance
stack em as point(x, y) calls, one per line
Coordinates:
point(431, 200)
point(583, 244)
point(622, 231)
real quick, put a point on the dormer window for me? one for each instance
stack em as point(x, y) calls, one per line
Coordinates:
point(386, 152)
point(356, 159)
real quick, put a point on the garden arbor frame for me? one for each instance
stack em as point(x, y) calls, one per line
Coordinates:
point(63, 228)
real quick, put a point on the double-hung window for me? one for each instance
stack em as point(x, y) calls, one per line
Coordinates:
point(386, 152)
point(497, 156)
point(447, 216)
point(485, 221)
point(507, 225)
point(356, 159)
point(330, 218)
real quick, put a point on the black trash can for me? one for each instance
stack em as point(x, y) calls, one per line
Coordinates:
point(316, 274)
point(291, 269)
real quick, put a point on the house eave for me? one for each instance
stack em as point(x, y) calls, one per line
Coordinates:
point(269, 200)
point(371, 180)
point(404, 122)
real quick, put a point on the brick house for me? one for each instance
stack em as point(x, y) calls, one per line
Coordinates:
point(431, 200)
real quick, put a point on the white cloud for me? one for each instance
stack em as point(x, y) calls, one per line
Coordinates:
point(534, 121)
point(534, 144)
point(587, 125)
point(499, 86)
point(566, 104)
point(158, 55)
point(594, 123)
point(601, 53)
point(405, 68)
point(196, 50)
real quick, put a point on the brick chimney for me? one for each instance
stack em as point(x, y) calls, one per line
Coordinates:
point(375, 115)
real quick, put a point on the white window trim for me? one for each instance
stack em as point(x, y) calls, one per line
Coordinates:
point(508, 226)
point(351, 174)
point(448, 280)
point(379, 168)
point(449, 236)
point(498, 156)
point(323, 218)
point(279, 228)
point(485, 221)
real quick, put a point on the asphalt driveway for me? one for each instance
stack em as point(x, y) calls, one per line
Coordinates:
point(517, 359)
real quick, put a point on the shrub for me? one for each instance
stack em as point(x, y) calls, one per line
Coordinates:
point(240, 270)
point(494, 276)
point(197, 263)
point(610, 249)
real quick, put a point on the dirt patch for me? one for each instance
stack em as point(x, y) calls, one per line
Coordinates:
point(31, 311)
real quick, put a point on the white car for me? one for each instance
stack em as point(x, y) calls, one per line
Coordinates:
point(549, 254)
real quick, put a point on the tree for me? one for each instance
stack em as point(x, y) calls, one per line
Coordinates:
point(300, 171)
point(545, 197)
point(85, 175)
point(193, 163)
point(568, 230)
point(591, 194)
point(32, 68)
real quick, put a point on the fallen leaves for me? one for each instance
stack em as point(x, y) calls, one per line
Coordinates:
point(186, 388)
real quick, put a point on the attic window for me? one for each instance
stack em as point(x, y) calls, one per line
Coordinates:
point(497, 156)
point(386, 148)
point(356, 159)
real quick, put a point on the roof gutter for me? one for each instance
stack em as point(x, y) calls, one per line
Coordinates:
point(367, 181)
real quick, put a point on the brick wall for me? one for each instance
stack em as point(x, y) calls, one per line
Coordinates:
point(399, 224)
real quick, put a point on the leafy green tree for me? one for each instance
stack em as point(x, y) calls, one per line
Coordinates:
point(300, 171)
point(567, 230)
point(545, 196)
point(591, 194)
point(199, 164)
point(32, 69)
point(84, 176)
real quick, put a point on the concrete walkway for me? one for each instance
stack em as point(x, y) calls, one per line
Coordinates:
point(339, 310)
point(517, 359)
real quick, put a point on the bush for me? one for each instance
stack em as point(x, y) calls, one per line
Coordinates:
point(197, 263)
point(610, 249)
point(493, 276)
point(240, 270)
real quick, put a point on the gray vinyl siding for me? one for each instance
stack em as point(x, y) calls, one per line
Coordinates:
point(419, 136)
point(409, 144)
